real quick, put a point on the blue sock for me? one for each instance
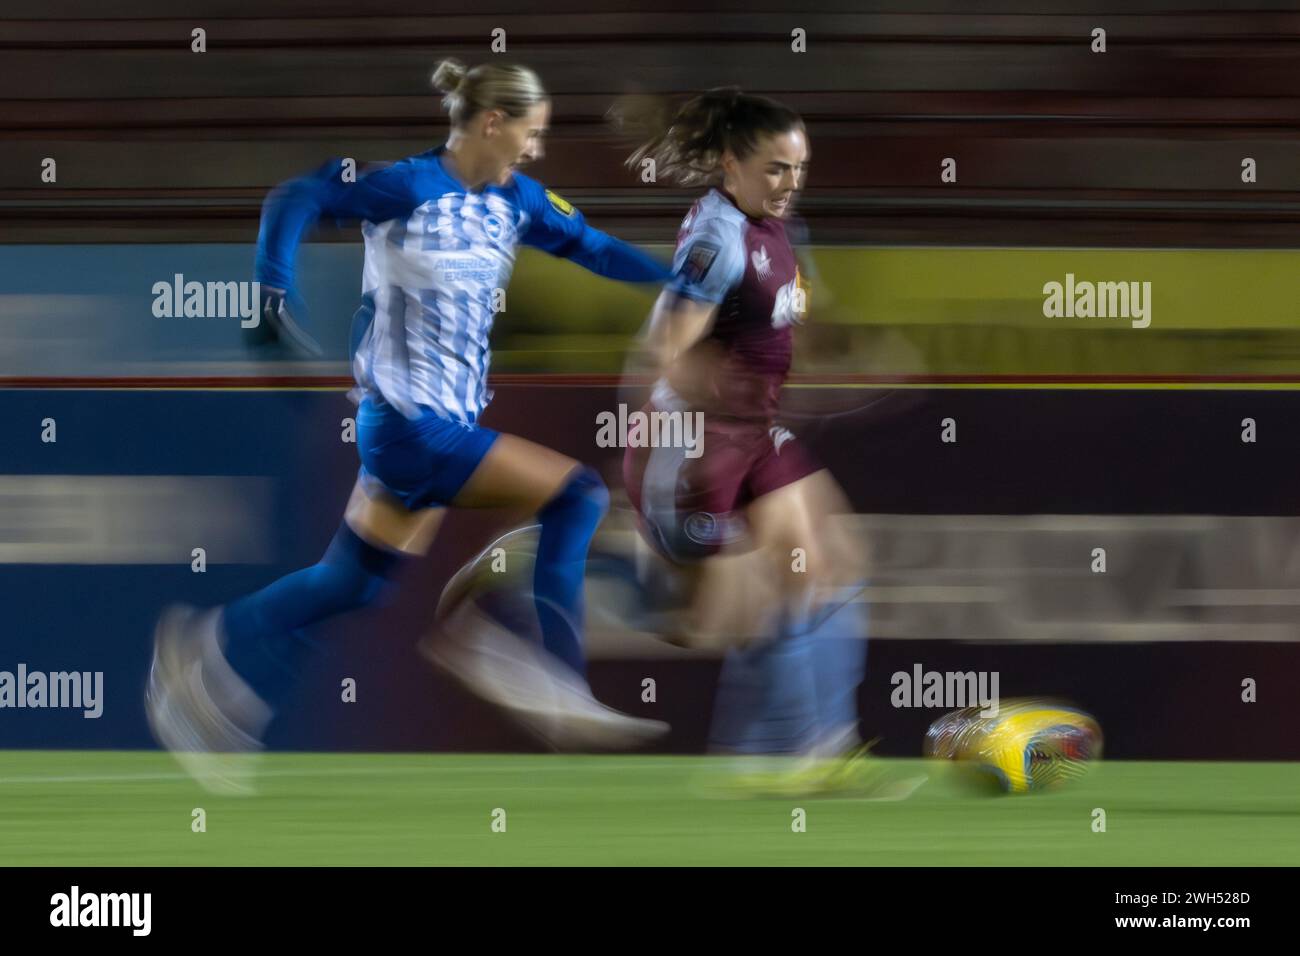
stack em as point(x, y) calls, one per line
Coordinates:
point(568, 523)
point(767, 697)
point(799, 690)
point(839, 652)
point(266, 642)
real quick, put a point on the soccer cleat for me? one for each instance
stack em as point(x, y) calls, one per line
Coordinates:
point(533, 688)
point(198, 708)
point(854, 774)
point(485, 618)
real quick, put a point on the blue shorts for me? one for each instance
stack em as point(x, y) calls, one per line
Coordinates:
point(423, 463)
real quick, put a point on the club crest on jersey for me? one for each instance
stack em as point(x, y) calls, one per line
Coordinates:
point(713, 530)
point(562, 206)
point(762, 263)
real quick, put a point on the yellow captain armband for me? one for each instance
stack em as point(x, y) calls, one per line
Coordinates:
point(562, 205)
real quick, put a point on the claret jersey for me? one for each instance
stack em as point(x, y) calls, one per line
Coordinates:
point(746, 266)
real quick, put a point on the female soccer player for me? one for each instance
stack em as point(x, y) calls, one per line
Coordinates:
point(441, 231)
point(747, 522)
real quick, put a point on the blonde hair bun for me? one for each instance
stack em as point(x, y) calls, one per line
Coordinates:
point(512, 89)
point(448, 76)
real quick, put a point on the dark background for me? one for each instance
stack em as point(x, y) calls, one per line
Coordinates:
point(1057, 146)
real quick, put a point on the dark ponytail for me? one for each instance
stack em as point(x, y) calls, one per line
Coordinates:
point(687, 146)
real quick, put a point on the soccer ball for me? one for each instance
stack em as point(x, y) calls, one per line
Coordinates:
point(1030, 745)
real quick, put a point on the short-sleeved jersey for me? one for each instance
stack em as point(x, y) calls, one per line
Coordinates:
point(437, 259)
point(746, 266)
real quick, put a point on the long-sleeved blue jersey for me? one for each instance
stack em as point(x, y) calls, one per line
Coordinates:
point(435, 255)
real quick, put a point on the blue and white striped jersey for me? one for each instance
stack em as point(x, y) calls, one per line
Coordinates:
point(435, 257)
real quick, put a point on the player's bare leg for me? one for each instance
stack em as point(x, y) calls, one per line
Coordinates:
point(517, 473)
point(795, 556)
point(733, 598)
point(792, 526)
point(385, 522)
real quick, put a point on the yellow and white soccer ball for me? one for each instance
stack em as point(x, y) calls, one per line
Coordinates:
point(1029, 745)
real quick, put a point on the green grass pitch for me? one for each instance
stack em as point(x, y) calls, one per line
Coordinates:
point(128, 808)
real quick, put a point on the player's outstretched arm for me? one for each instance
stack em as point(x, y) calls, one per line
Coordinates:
point(613, 258)
point(555, 226)
point(294, 207)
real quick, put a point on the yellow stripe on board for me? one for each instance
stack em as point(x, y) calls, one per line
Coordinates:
point(967, 311)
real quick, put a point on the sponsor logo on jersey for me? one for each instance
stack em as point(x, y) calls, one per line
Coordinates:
point(562, 206)
point(779, 436)
point(762, 263)
point(789, 306)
